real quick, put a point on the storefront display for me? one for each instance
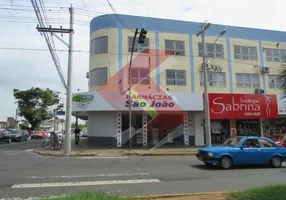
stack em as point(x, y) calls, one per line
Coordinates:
point(220, 131)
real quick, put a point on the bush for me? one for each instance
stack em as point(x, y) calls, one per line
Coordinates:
point(270, 192)
point(90, 196)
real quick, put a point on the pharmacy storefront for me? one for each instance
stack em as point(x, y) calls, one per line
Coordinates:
point(241, 114)
point(157, 119)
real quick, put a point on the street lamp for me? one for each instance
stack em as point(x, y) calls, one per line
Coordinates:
point(206, 96)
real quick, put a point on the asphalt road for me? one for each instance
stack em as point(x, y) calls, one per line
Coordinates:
point(48, 176)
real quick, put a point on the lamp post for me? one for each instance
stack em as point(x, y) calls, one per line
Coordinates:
point(204, 27)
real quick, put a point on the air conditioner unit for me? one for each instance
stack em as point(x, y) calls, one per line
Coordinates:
point(265, 70)
point(258, 91)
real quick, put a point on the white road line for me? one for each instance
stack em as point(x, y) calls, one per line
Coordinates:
point(88, 175)
point(83, 183)
point(28, 150)
point(91, 157)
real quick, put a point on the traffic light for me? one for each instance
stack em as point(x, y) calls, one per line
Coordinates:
point(142, 36)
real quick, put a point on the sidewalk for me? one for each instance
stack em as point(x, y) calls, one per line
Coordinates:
point(84, 150)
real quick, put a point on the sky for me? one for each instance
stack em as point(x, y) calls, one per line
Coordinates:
point(22, 69)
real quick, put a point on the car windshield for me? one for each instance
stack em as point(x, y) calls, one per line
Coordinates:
point(233, 142)
point(16, 132)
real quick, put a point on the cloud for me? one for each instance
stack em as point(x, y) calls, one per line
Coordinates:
point(23, 69)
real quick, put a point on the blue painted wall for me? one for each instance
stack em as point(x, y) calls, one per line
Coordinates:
point(175, 26)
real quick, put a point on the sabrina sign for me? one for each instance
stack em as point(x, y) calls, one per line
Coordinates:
point(242, 106)
point(150, 101)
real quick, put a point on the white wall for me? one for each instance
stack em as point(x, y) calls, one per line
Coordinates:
point(102, 124)
point(199, 129)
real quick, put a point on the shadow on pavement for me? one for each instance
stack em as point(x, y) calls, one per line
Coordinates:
point(245, 167)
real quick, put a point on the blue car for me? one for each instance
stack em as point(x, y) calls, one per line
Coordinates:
point(243, 150)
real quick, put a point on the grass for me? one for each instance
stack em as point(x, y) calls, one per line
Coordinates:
point(91, 196)
point(270, 192)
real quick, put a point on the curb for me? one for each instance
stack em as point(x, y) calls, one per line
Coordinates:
point(160, 196)
point(123, 154)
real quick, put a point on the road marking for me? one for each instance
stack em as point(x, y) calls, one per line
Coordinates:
point(83, 183)
point(88, 175)
point(28, 150)
point(91, 157)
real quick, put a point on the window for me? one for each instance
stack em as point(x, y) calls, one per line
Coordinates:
point(138, 47)
point(140, 76)
point(175, 77)
point(275, 81)
point(276, 55)
point(175, 47)
point(98, 77)
point(265, 143)
point(245, 53)
point(99, 45)
point(215, 79)
point(213, 50)
point(247, 81)
point(251, 143)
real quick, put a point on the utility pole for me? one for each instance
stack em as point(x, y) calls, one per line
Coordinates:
point(204, 27)
point(70, 31)
point(55, 116)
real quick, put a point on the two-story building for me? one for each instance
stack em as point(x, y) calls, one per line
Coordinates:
point(167, 82)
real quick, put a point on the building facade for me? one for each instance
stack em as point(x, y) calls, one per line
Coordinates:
point(243, 66)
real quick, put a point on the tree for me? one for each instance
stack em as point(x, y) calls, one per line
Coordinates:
point(37, 105)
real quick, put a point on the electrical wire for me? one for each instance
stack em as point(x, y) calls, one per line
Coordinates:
point(46, 36)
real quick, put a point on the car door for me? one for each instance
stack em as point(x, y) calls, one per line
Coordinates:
point(249, 154)
point(267, 150)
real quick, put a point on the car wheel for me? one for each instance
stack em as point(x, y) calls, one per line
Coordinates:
point(276, 161)
point(209, 164)
point(225, 162)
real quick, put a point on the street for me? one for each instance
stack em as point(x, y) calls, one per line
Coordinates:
point(25, 174)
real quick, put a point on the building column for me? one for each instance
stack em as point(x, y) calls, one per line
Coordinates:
point(119, 129)
point(145, 135)
point(186, 128)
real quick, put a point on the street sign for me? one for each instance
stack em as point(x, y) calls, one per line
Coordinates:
point(61, 112)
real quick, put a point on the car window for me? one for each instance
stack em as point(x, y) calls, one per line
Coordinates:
point(265, 143)
point(251, 143)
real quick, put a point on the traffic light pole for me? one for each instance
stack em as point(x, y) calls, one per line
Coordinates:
point(129, 77)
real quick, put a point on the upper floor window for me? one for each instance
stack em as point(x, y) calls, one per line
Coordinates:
point(215, 79)
point(245, 53)
point(99, 45)
point(247, 80)
point(98, 77)
point(175, 47)
point(276, 55)
point(175, 77)
point(275, 81)
point(212, 50)
point(140, 76)
point(144, 48)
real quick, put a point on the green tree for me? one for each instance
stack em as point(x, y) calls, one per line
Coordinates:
point(37, 105)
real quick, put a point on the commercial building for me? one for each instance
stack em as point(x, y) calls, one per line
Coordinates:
point(167, 82)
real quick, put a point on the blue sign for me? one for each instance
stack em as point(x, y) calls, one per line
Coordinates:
point(61, 113)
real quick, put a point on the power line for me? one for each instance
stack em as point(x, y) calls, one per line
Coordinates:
point(40, 49)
